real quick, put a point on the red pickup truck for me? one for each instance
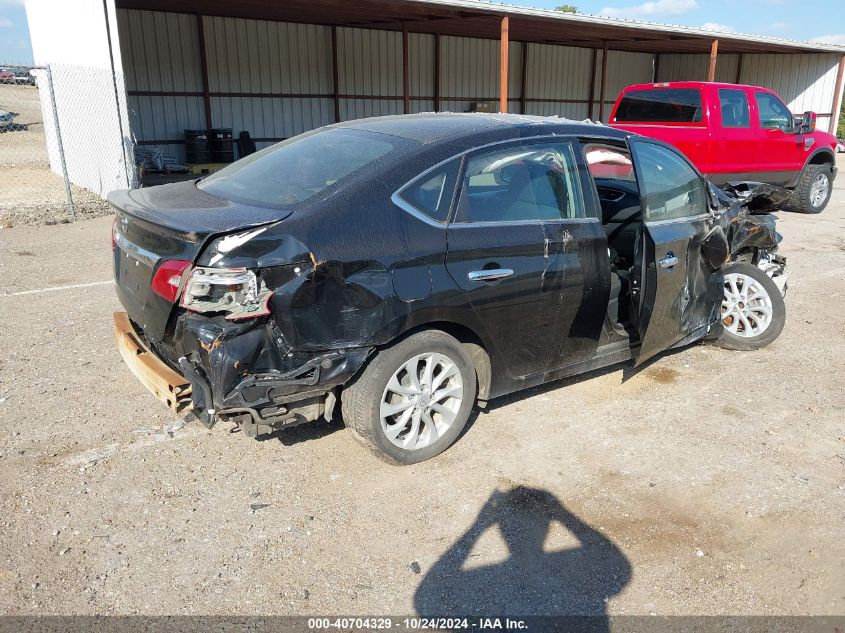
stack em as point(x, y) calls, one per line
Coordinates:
point(733, 133)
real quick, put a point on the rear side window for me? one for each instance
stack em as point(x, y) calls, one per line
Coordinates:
point(773, 114)
point(671, 188)
point(521, 184)
point(293, 171)
point(432, 193)
point(734, 106)
point(660, 105)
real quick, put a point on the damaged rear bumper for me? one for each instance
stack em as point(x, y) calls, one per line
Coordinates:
point(165, 384)
point(265, 392)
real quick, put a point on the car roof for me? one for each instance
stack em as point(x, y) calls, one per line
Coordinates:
point(434, 127)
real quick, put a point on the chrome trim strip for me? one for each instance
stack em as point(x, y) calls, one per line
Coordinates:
point(461, 225)
point(133, 250)
point(691, 218)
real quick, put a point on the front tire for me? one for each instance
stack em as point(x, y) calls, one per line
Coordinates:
point(413, 399)
point(753, 310)
point(814, 189)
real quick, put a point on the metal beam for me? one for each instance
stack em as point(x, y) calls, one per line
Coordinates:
point(834, 113)
point(714, 55)
point(739, 59)
point(406, 91)
point(335, 89)
point(523, 78)
point(206, 96)
point(655, 76)
point(603, 81)
point(503, 65)
point(592, 96)
point(437, 73)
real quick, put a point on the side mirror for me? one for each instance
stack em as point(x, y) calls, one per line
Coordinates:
point(808, 123)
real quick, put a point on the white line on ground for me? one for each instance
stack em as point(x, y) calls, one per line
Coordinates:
point(55, 288)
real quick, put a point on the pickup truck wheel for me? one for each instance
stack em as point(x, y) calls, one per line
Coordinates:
point(413, 399)
point(814, 189)
point(753, 310)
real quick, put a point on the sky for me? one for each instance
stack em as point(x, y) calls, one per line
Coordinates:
point(816, 20)
point(14, 34)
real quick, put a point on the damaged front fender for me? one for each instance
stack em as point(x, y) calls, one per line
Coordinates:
point(746, 215)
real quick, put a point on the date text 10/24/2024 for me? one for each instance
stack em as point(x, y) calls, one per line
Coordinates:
point(417, 624)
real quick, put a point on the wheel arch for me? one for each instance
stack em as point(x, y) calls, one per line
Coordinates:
point(822, 156)
point(474, 345)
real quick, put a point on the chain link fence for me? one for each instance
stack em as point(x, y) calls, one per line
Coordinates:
point(47, 115)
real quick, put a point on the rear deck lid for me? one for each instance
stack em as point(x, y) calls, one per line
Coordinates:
point(170, 222)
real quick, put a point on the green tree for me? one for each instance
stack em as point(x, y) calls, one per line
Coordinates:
point(840, 131)
point(567, 8)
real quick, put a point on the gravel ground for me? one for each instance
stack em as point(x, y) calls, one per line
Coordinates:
point(31, 193)
point(712, 482)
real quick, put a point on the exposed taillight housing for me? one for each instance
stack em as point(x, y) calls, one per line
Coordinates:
point(113, 232)
point(168, 278)
point(236, 292)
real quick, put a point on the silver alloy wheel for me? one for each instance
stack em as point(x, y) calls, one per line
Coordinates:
point(819, 190)
point(421, 401)
point(746, 308)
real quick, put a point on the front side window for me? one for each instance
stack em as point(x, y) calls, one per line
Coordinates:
point(671, 188)
point(774, 115)
point(734, 105)
point(524, 183)
point(660, 105)
point(293, 171)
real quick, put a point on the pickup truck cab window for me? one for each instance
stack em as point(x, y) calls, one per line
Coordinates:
point(671, 188)
point(521, 183)
point(734, 107)
point(660, 105)
point(774, 115)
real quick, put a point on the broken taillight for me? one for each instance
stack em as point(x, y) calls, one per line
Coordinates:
point(113, 230)
point(168, 278)
point(237, 292)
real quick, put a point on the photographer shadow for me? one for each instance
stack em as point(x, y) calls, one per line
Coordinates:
point(575, 581)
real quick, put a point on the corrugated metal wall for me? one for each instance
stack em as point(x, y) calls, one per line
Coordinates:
point(160, 53)
point(805, 81)
point(276, 79)
point(623, 69)
point(248, 58)
point(696, 67)
point(469, 72)
point(556, 75)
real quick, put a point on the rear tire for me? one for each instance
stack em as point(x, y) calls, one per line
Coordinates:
point(813, 191)
point(413, 399)
point(753, 310)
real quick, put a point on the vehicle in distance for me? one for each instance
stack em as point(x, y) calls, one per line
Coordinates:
point(401, 269)
point(735, 133)
point(7, 120)
point(840, 145)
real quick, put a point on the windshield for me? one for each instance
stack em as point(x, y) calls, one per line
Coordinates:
point(296, 170)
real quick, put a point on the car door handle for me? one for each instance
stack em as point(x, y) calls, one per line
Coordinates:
point(669, 261)
point(489, 275)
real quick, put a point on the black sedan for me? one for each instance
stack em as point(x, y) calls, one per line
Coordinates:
point(399, 270)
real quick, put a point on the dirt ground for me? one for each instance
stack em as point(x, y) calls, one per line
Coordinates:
point(712, 482)
point(31, 193)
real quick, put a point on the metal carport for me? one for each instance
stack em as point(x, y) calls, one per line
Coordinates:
point(277, 69)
